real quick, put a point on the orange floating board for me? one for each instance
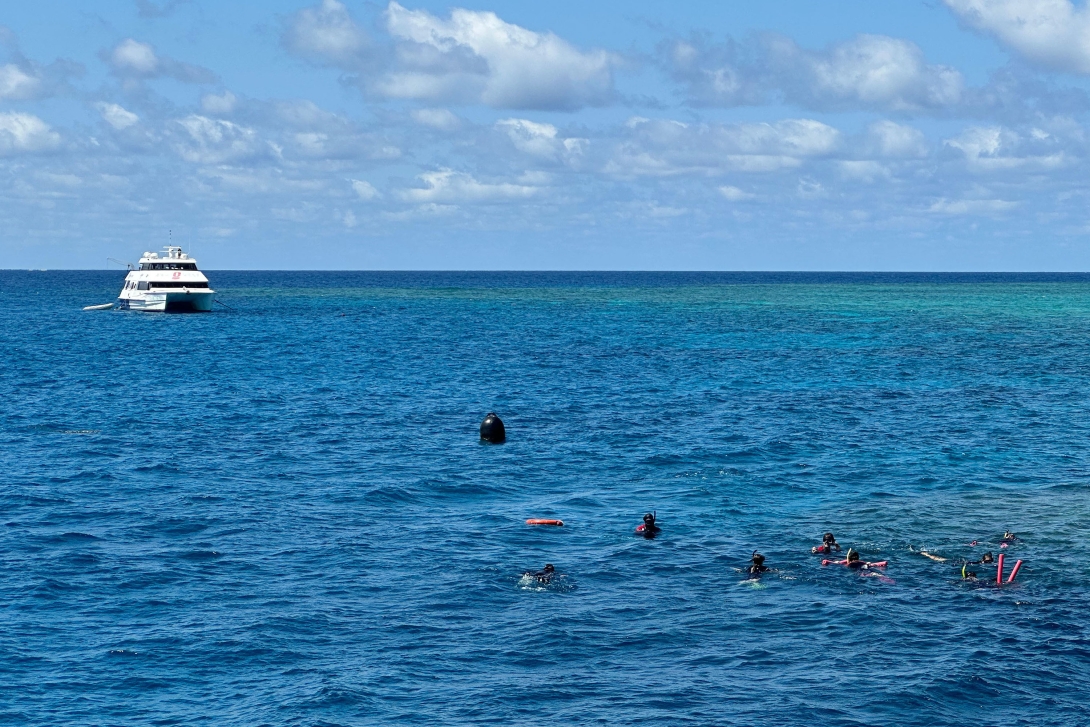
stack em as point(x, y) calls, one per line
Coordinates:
point(541, 521)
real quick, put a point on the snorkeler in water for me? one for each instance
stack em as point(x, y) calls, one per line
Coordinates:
point(853, 561)
point(1008, 538)
point(649, 529)
point(757, 566)
point(828, 545)
point(932, 556)
point(543, 576)
point(969, 575)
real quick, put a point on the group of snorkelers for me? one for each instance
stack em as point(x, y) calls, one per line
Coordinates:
point(649, 529)
point(852, 559)
point(756, 568)
point(1006, 541)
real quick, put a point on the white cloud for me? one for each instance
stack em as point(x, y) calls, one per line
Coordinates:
point(300, 130)
point(326, 32)
point(116, 116)
point(657, 211)
point(888, 139)
point(864, 170)
point(21, 132)
point(71, 181)
point(345, 144)
point(663, 148)
point(475, 57)
point(442, 119)
point(978, 141)
point(530, 137)
point(16, 84)
point(880, 72)
point(1053, 33)
point(540, 140)
point(811, 189)
point(133, 60)
point(718, 75)
point(219, 105)
point(734, 194)
point(135, 57)
point(449, 187)
point(211, 141)
point(306, 114)
point(868, 71)
point(364, 190)
point(972, 206)
point(270, 181)
point(995, 149)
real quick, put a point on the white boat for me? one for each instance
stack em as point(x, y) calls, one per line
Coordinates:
point(169, 283)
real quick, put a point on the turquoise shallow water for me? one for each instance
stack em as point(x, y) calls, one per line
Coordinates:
point(281, 513)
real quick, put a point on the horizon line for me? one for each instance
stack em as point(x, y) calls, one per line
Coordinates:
point(586, 270)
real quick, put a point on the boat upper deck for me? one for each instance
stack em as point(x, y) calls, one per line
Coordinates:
point(172, 259)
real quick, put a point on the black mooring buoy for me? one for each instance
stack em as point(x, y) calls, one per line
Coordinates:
point(492, 429)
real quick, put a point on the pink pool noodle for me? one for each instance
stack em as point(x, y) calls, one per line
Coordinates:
point(999, 572)
point(1014, 571)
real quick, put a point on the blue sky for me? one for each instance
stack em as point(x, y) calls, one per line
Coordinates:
point(849, 135)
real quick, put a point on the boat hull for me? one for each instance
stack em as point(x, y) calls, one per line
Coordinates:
point(172, 302)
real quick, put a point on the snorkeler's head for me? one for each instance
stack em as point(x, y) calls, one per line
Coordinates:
point(987, 557)
point(852, 555)
point(549, 568)
point(828, 538)
point(1008, 535)
point(649, 519)
point(758, 559)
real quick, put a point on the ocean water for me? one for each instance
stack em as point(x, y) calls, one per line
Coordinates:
point(280, 513)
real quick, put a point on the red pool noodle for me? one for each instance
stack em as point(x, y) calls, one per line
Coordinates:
point(999, 571)
point(1014, 570)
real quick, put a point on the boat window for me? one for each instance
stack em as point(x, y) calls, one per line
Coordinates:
point(168, 266)
point(142, 285)
point(178, 284)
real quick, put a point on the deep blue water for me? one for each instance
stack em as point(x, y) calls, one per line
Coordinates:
point(280, 514)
